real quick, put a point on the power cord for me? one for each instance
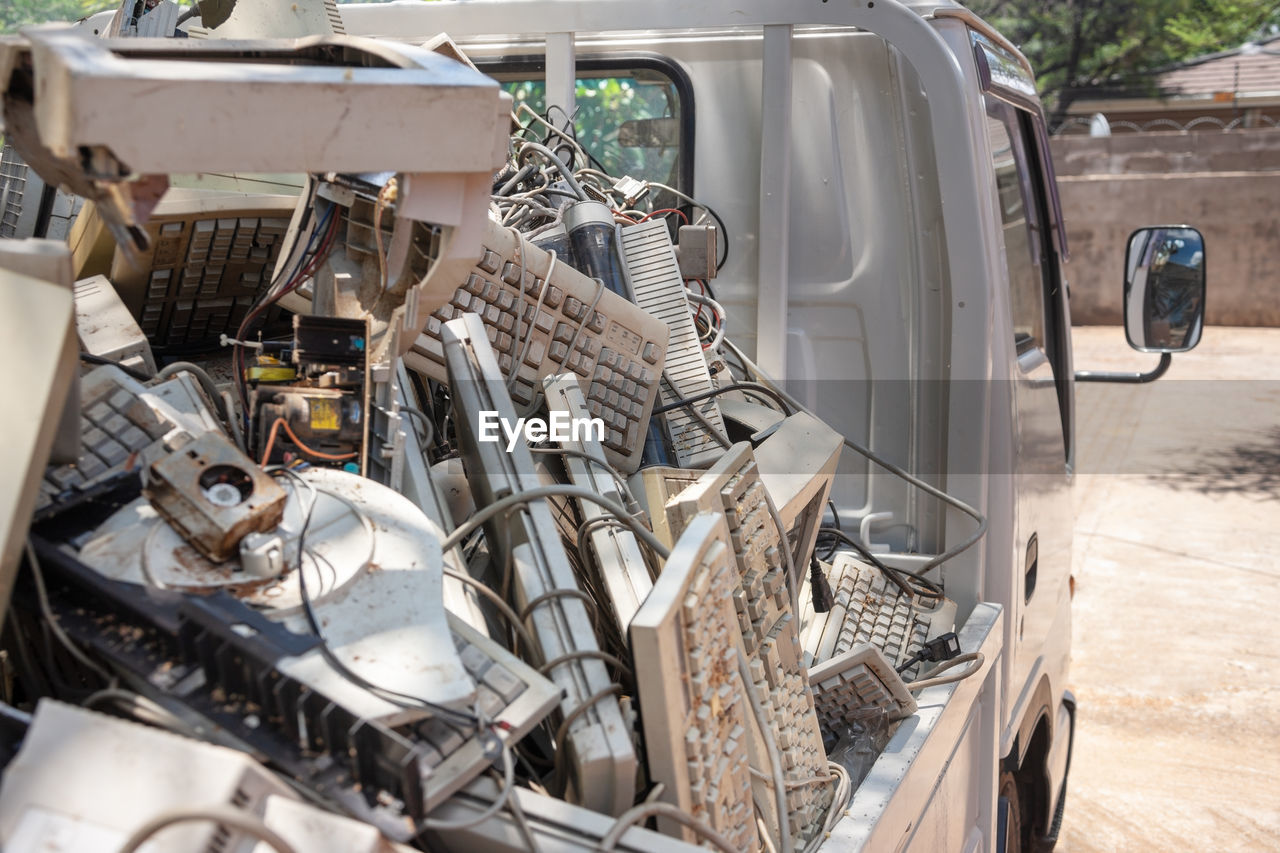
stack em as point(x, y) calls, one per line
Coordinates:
point(940, 648)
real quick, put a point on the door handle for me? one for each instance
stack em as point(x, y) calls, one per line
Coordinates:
point(1029, 568)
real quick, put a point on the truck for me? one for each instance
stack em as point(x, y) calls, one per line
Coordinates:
point(880, 221)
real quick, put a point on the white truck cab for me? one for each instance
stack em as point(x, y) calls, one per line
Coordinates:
point(892, 256)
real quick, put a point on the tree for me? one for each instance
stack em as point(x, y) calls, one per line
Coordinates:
point(1076, 43)
point(15, 14)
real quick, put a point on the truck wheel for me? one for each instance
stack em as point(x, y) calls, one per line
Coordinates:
point(1011, 842)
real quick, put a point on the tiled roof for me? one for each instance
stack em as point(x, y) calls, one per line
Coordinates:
point(1240, 70)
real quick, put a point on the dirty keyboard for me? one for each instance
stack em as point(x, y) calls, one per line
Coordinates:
point(768, 625)
point(869, 608)
point(539, 328)
point(115, 424)
point(120, 419)
point(857, 683)
point(694, 704)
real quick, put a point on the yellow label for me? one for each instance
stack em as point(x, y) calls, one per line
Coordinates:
point(326, 413)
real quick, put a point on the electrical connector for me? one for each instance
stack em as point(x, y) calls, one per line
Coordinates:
point(631, 189)
point(820, 588)
point(943, 647)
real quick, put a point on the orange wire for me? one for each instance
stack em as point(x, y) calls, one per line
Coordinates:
point(271, 441)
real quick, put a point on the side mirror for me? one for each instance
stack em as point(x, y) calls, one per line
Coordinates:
point(1164, 289)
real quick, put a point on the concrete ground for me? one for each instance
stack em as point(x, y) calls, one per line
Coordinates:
point(1176, 652)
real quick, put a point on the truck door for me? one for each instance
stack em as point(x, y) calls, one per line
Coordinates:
point(1043, 418)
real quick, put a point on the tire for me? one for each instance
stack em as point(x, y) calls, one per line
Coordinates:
point(1010, 793)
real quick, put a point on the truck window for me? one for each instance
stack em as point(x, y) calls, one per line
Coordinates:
point(1023, 236)
point(628, 123)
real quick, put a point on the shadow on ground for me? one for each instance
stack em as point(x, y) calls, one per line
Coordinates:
point(1252, 467)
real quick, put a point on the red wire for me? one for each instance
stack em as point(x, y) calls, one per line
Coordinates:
point(701, 287)
point(667, 211)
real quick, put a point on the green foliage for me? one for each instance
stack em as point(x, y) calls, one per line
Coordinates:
point(15, 14)
point(603, 104)
point(1222, 24)
point(1074, 43)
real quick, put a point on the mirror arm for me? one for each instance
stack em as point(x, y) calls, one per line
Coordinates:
point(1130, 378)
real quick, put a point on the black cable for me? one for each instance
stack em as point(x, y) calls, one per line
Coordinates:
point(97, 359)
point(928, 587)
point(724, 389)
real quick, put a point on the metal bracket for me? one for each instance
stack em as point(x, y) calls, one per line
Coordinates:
point(1127, 378)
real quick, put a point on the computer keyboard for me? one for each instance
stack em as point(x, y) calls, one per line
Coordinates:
point(539, 328)
point(659, 288)
point(510, 694)
point(211, 254)
point(768, 626)
point(856, 684)
point(120, 418)
point(869, 608)
point(621, 565)
point(599, 755)
point(692, 699)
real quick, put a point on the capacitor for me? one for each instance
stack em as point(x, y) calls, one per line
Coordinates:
point(593, 236)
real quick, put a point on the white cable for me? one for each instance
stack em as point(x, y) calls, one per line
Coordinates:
point(719, 309)
point(636, 814)
point(775, 759)
point(143, 562)
point(933, 679)
point(223, 814)
point(615, 509)
point(508, 784)
point(537, 309)
point(42, 594)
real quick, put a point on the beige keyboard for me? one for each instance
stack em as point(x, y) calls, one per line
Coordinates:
point(541, 328)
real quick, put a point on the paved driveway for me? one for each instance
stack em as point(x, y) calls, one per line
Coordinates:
point(1176, 653)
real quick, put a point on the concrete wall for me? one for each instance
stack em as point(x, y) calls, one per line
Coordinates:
point(1225, 184)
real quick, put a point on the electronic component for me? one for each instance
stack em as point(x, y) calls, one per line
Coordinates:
point(733, 486)
point(696, 250)
point(593, 234)
point(539, 328)
point(659, 289)
point(870, 608)
point(621, 564)
point(349, 522)
point(213, 495)
point(320, 415)
point(120, 420)
point(797, 464)
point(251, 21)
point(604, 760)
point(855, 684)
point(107, 329)
point(211, 254)
point(85, 781)
point(685, 642)
point(240, 652)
